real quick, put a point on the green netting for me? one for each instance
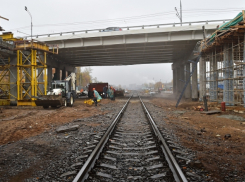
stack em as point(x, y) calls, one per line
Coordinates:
point(227, 25)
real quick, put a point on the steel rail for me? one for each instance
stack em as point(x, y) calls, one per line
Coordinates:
point(127, 28)
point(175, 168)
point(83, 173)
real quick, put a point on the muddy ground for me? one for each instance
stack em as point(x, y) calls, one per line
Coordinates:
point(32, 150)
point(218, 140)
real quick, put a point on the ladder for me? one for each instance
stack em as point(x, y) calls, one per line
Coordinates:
point(194, 65)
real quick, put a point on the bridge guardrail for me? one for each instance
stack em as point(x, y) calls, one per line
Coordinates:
point(130, 27)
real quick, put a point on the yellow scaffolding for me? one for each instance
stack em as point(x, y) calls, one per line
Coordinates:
point(5, 84)
point(31, 65)
point(31, 68)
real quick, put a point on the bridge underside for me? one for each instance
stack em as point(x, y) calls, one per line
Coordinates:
point(127, 54)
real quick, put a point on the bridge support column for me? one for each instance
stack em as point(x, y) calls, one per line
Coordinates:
point(228, 93)
point(187, 77)
point(174, 69)
point(57, 74)
point(194, 85)
point(63, 74)
point(50, 77)
point(174, 81)
point(182, 78)
point(211, 78)
point(202, 78)
point(215, 77)
point(243, 71)
point(178, 82)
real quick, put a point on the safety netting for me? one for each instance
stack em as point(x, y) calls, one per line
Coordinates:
point(227, 25)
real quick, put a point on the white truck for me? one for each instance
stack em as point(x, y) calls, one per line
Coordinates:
point(62, 93)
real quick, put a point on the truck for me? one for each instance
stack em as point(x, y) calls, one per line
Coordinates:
point(119, 92)
point(62, 93)
point(98, 87)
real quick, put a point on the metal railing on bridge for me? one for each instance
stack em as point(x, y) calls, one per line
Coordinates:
point(131, 27)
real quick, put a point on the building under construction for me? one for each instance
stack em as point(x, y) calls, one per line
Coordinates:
point(222, 64)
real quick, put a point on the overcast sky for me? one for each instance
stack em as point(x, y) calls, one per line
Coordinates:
point(62, 15)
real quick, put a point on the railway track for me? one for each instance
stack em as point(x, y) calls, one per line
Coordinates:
point(132, 149)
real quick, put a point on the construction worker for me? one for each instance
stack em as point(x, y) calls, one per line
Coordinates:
point(105, 91)
point(113, 93)
point(110, 93)
point(96, 96)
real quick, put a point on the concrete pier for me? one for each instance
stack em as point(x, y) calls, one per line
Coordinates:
point(194, 84)
point(228, 94)
point(57, 74)
point(202, 78)
point(187, 77)
point(50, 76)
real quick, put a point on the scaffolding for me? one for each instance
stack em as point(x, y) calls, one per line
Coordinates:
point(5, 84)
point(23, 76)
point(6, 50)
point(225, 65)
point(31, 71)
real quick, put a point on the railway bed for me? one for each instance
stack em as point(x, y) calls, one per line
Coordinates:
point(132, 149)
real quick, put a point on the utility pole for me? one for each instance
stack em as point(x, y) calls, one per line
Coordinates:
point(179, 15)
point(31, 20)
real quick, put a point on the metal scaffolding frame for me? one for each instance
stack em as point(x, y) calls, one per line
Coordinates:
point(5, 84)
point(31, 76)
point(6, 51)
point(224, 57)
point(31, 70)
point(225, 73)
point(25, 77)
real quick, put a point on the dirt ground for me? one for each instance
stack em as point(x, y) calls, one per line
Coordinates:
point(218, 142)
point(19, 123)
point(33, 150)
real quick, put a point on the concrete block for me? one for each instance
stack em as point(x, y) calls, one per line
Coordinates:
point(63, 129)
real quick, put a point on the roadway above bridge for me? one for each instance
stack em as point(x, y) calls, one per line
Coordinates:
point(133, 45)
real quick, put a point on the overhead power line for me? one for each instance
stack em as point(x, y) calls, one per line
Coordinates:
point(148, 16)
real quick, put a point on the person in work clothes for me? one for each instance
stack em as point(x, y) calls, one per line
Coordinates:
point(113, 93)
point(110, 93)
point(96, 96)
point(105, 91)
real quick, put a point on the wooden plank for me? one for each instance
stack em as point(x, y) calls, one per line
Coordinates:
point(211, 112)
point(238, 26)
point(243, 14)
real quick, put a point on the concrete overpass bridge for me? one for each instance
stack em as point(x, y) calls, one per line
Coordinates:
point(162, 43)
